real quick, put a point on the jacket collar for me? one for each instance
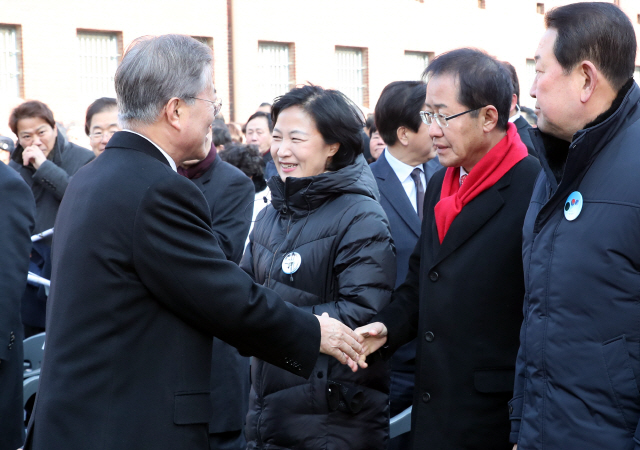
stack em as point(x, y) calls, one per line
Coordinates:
point(471, 218)
point(124, 139)
point(582, 151)
point(300, 196)
point(391, 188)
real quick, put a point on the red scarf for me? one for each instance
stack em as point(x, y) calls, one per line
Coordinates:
point(498, 161)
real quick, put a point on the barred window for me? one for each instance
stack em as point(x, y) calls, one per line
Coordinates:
point(10, 75)
point(275, 69)
point(415, 63)
point(352, 79)
point(99, 53)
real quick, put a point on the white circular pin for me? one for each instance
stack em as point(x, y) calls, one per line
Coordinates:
point(573, 206)
point(291, 262)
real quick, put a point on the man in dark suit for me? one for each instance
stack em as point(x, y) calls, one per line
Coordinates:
point(229, 194)
point(139, 283)
point(463, 293)
point(17, 220)
point(515, 116)
point(402, 173)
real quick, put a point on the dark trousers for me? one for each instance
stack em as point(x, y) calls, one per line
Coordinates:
point(401, 397)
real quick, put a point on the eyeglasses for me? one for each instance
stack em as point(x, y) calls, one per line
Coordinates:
point(97, 135)
point(217, 104)
point(441, 119)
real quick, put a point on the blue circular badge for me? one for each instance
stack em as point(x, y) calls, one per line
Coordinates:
point(573, 206)
point(291, 263)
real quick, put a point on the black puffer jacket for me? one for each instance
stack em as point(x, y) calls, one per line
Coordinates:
point(334, 222)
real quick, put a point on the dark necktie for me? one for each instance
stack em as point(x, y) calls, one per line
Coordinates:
point(415, 176)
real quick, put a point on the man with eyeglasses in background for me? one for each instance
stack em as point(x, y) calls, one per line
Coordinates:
point(463, 294)
point(140, 285)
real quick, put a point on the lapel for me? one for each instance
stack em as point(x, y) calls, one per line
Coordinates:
point(472, 217)
point(125, 139)
point(390, 186)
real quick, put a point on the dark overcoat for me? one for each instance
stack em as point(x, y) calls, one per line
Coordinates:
point(463, 299)
point(140, 287)
point(229, 194)
point(17, 219)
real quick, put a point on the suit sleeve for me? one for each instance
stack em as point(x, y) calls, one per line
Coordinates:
point(231, 217)
point(17, 212)
point(53, 178)
point(178, 259)
point(365, 267)
point(401, 316)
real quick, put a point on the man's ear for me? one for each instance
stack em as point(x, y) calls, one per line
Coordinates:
point(590, 80)
point(173, 111)
point(401, 132)
point(514, 103)
point(489, 116)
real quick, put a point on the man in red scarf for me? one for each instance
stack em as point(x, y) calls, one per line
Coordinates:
point(464, 290)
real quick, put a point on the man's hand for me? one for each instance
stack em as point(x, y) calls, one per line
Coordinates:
point(33, 155)
point(339, 341)
point(375, 336)
point(515, 447)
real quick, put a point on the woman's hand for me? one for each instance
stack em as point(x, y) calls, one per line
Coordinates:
point(375, 336)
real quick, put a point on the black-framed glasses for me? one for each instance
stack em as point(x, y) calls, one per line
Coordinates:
point(216, 104)
point(427, 117)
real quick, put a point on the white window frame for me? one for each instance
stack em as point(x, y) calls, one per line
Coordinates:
point(9, 62)
point(274, 70)
point(350, 76)
point(98, 57)
point(415, 63)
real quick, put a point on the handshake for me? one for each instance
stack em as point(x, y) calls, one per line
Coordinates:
point(349, 346)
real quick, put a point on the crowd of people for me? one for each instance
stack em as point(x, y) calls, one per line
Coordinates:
point(294, 283)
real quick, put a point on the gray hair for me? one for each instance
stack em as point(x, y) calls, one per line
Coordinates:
point(156, 69)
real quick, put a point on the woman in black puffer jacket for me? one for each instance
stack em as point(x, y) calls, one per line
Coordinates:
point(324, 245)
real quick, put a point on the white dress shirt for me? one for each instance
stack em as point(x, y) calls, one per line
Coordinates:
point(172, 163)
point(403, 172)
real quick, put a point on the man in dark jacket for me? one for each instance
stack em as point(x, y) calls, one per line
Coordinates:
point(140, 286)
point(17, 212)
point(47, 162)
point(229, 194)
point(515, 115)
point(463, 293)
point(579, 360)
point(402, 173)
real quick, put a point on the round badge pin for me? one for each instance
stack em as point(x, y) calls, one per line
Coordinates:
point(573, 206)
point(291, 263)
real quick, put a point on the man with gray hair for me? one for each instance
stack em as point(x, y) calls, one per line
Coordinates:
point(140, 284)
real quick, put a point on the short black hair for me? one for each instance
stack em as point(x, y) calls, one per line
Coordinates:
point(373, 129)
point(515, 84)
point(247, 158)
point(596, 32)
point(100, 105)
point(370, 121)
point(261, 114)
point(221, 136)
point(265, 104)
point(399, 105)
point(337, 119)
point(482, 80)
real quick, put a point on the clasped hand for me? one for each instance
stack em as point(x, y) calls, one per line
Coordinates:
point(348, 346)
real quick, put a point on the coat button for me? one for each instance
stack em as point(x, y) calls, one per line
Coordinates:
point(433, 276)
point(426, 397)
point(320, 374)
point(429, 336)
point(510, 409)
